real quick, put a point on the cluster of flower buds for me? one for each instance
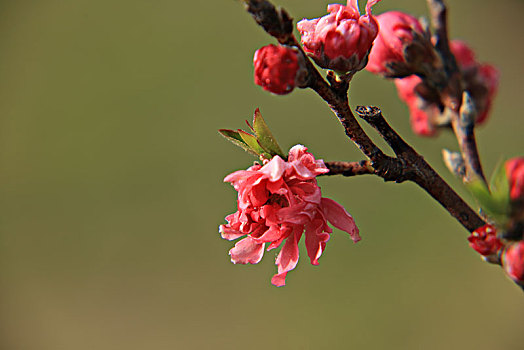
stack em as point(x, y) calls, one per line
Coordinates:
point(504, 201)
point(425, 101)
point(340, 41)
point(277, 202)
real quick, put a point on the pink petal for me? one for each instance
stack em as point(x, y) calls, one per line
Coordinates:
point(287, 259)
point(272, 234)
point(296, 152)
point(275, 168)
point(247, 251)
point(229, 233)
point(315, 240)
point(340, 218)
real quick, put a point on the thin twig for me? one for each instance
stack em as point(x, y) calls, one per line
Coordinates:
point(453, 95)
point(349, 168)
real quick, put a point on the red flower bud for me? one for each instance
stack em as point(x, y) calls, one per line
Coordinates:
point(515, 175)
point(342, 39)
point(277, 69)
point(400, 47)
point(513, 261)
point(485, 241)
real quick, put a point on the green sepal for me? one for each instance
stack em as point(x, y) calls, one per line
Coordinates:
point(235, 138)
point(264, 136)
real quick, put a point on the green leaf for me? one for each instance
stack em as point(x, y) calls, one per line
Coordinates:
point(499, 187)
point(489, 204)
point(264, 136)
point(252, 142)
point(235, 138)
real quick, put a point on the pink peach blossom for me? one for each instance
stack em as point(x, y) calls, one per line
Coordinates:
point(277, 203)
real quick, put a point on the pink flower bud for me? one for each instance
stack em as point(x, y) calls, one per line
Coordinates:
point(277, 69)
point(513, 261)
point(342, 39)
point(515, 174)
point(485, 241)
point(400, 47)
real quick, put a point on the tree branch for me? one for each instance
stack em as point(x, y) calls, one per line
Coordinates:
point(417, 170)
point(458, 103)
point(349, 168)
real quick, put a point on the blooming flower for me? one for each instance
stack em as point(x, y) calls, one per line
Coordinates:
point(277, 203)
point(277, 69)
point(515, 174)
point(398, 32)
point(513, 261)
point(485, 241)
point(342, 39)
point(480, 80)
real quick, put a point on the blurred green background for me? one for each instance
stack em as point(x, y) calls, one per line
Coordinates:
point(111, 190)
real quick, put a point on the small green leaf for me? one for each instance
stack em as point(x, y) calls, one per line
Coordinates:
point(489, 204)
point(251, 141)
point(499, 187)
point(264, 136)
point(236, 139)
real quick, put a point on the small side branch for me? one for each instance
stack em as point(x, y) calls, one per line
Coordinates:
point(458, 103)
point(350, 168)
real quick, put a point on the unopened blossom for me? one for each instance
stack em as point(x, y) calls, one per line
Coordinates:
point(485, 241)
point(278, 202)
point(401, 47)
point(513, 261)
point(515, 175)
point(277, 69)
point(340, 40)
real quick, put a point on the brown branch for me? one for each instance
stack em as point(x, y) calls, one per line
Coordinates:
point(457, 101)
point(417, 170)
point(349, 168)
point(464, 129)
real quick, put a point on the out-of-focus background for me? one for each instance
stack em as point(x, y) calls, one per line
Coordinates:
point(111, 190)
